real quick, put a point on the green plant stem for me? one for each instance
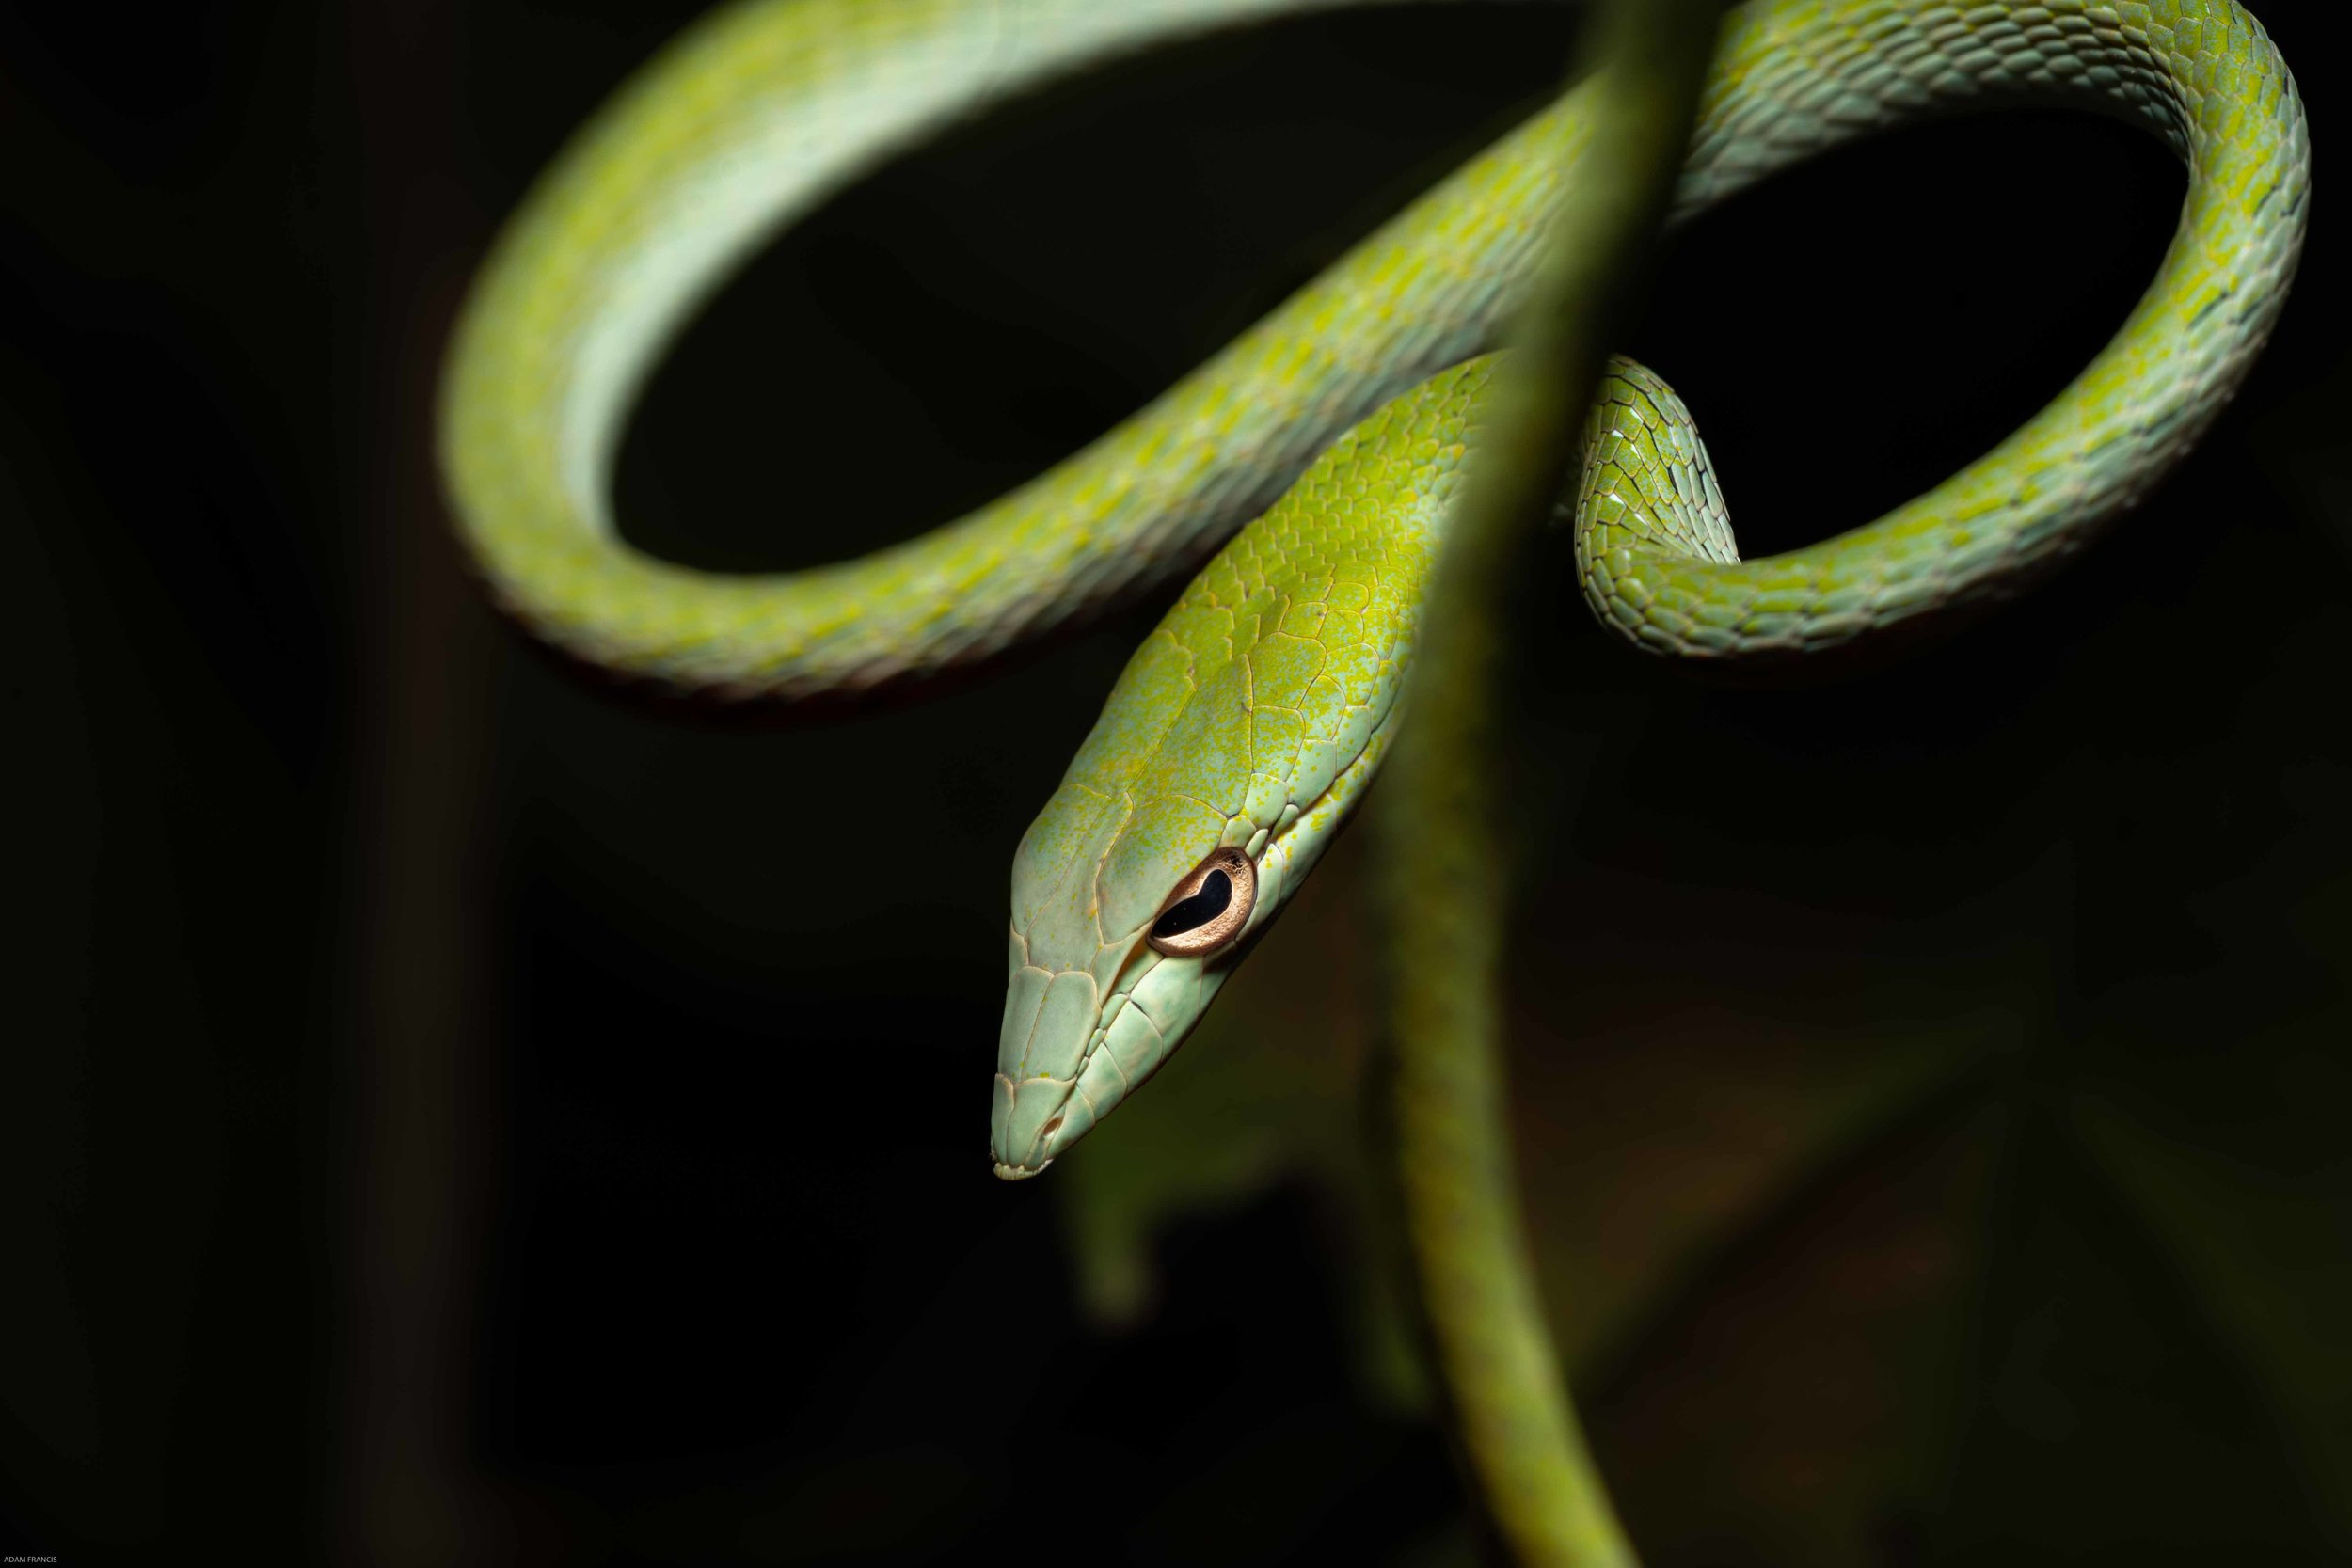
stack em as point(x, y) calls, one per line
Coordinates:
point(1443, 891)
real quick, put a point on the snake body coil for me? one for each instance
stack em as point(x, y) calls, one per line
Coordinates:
point(1320, 450)
point(1258, 711)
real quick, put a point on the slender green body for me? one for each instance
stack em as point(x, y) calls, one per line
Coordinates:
point(764, 109)
point(1318, 457)
point(1441, 856)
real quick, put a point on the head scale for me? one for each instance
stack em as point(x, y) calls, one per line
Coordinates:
point(1233, 746)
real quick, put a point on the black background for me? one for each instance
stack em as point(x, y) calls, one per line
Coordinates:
point(455, 1108)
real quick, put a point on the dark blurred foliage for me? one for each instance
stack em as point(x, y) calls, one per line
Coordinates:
point(453, 1108)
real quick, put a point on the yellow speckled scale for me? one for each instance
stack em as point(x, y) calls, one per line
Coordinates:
point(1339, 424)
point(764, 109)
point(1322, 451)
point(1257, 711)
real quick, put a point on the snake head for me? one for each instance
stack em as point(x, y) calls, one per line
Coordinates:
point(1127, 919)
point(1219, 770)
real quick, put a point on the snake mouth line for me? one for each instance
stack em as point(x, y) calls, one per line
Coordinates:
point(1312, 826)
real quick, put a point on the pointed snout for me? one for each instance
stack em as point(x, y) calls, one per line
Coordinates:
point(1049, 1018)
point(1029, 1116)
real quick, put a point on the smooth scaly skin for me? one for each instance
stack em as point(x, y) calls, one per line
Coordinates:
point(1256, 713)
point(1262, 705)
point(763, 110)
point(1440, 851)
point(1442, 861)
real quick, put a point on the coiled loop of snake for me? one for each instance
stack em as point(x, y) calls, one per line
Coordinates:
point(765, 108)
point(1337, 430)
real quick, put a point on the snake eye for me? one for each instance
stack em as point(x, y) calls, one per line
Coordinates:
point(1208, 906)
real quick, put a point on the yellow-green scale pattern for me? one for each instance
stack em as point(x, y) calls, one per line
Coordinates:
point(1252, 717)
point(1343, 424)
point(764, 109)
point(1270, 689)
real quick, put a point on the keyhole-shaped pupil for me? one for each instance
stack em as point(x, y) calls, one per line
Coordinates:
point(1217, 891)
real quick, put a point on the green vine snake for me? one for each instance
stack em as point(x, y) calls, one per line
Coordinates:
point(1312, 462)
